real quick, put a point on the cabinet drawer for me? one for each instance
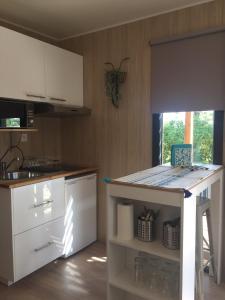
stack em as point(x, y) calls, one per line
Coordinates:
point(37, 247)
point(37, 204)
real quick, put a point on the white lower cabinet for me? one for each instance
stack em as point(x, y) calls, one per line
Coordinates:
point(43, 221)
point(31, 228)
point(37, 247)
point(80, 217)
point(37, 204)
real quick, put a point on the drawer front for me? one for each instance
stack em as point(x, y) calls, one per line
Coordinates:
point(36, 204)
point(37, 247)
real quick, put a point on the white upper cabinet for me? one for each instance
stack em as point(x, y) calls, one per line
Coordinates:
point(21, 66)
point(64, 76)
point(37, 71)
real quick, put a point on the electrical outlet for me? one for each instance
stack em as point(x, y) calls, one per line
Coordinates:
point(24, 138)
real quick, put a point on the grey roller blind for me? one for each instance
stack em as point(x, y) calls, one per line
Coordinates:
point(189, 74)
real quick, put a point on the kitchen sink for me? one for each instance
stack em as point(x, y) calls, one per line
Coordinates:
point(19, 175)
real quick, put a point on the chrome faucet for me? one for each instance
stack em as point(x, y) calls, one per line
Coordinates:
point(3, 165)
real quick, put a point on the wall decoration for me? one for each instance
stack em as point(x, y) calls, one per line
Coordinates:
point(113, 80)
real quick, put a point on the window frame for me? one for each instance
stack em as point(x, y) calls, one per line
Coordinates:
point(157, 130)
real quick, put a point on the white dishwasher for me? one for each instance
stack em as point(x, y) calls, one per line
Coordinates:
point(80, 218)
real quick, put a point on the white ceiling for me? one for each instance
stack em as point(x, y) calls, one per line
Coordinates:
point(61, 19)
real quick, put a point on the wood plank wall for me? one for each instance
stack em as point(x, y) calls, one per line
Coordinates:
point(115, 140)
point(46, 143)
point(118, 141)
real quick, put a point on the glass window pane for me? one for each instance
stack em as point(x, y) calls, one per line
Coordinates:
point(173, 133)
point(201, 135)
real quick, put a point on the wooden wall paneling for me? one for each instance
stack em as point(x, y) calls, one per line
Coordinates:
point(139, 93)
point(116, 140)
point(188, 20)
point(4, 141)
point(50, 137)
point(45, 143)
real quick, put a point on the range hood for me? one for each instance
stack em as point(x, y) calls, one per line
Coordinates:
point(57, 110)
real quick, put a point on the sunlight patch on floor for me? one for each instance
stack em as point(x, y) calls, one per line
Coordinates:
point(78, 289)
point(97, 259)
point(71, 265)
point(72, 271)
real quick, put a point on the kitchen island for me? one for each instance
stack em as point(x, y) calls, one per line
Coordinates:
point(174, 192)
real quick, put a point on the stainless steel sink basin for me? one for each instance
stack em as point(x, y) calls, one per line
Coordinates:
point(19, 175)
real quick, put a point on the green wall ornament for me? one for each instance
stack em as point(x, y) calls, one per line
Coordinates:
point(113, 80)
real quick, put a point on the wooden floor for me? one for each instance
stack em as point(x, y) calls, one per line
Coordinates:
point(80, 277)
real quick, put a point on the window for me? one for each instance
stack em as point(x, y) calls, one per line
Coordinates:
point(202, 129)
point(194, 128)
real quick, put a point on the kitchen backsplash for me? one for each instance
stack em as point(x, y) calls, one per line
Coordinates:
point(45, 143)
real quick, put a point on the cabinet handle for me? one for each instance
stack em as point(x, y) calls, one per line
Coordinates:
point(35, 96)
point(43, 247)
point(43, 203)
point(58, 99)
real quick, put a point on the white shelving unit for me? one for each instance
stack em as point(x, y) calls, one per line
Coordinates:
point(156, 248)
point(124, 282)
point(141, 190)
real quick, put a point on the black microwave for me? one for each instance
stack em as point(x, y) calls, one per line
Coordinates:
point(16, 114)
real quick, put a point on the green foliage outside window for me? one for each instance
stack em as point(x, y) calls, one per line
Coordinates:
point(203, 137)
point(173, 133)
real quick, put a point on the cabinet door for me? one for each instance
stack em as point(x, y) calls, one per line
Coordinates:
point(80, 218)
point(21, 66)
point(37, 247)
point(64, 76)
point(37, 204)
